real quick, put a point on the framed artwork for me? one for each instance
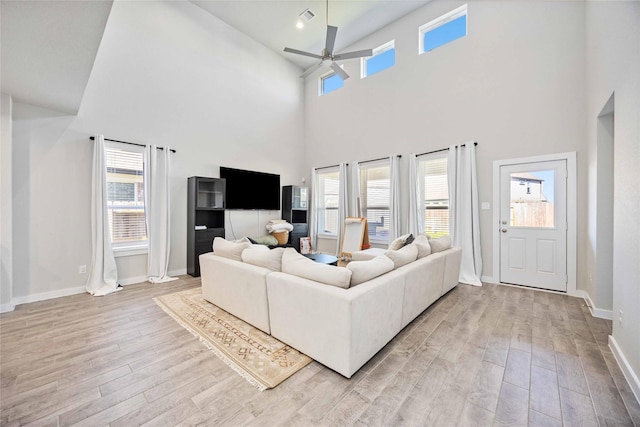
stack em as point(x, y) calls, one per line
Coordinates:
point(305, 245)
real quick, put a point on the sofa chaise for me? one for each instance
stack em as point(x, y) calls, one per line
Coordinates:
point(338, 316)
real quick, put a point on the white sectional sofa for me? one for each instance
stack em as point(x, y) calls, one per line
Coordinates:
point(319, 309)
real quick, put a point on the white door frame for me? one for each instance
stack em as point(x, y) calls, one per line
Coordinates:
point(572, 214)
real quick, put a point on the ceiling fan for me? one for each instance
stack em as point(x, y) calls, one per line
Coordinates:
point(328, 54)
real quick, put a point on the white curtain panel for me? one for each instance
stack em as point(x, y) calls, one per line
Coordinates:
point(464, 218)
point(416, 201)
point(356, 209)
point(157, 212)
point(394, 198)
point(343, 204)
point(103, 275)
point(315, 203)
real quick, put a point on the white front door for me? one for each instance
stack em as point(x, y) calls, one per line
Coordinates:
point(533, 224)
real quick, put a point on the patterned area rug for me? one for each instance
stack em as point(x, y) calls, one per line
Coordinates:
point(261, 359)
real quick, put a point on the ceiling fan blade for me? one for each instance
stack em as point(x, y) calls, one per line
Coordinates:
point(339, 71)
point(355, 54)
point(311, 69)
point(331, 39)
point(301, 52)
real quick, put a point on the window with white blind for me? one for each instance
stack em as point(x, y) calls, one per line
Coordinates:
point(375, 198)
point(125, 196)
point(435, 190)
point(328, 182)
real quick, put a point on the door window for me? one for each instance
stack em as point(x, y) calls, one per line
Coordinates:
point(532, 199)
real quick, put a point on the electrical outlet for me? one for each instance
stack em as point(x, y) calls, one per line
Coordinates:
point(82, 269)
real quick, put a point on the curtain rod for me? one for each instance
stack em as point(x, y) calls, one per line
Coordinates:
point(130, 143)
point(327, 167)
point(442, 149)
point(375, 160)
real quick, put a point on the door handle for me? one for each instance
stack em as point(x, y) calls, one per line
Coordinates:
point(504, 230)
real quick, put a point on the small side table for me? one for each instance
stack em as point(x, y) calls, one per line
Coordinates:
point(323, 258)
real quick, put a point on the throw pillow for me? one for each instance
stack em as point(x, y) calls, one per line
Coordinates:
point(424, 248)
point(440, 244)
point(403, 256)
point(242, 240)
point(398, 243)
point(267, 240)
point(271, 259)
point(227, 249)
point(361, 271)
point(409, 240)
point(298, 265)
point(367, 254)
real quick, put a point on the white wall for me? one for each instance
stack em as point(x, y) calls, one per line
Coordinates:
point(6, 201)
point(613, 66)
point(166, 73)
point(515, 84)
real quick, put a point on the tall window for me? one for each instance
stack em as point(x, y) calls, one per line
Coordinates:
point(125, 196)
point(328, 195)
point(442, 30)
point(375, 198)
point(383, 57)
point(435, 189)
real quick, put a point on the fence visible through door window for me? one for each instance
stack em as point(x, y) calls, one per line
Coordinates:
point(532, 199)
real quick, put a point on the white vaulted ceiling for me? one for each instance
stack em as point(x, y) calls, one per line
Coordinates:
point(48, 50)
point(272, 23)
point(49, 46)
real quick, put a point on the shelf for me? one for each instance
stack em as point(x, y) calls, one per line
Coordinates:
point(205, 208)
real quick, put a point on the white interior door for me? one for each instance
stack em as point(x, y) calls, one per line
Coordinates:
point(533, 224)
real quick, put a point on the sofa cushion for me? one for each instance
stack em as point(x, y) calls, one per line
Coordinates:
point(399, 242)
point(440, 244)
point(298, 265)
point(424, 248)
point(227, 249)
point(367, 254)
point(361, 271)
point(403, 256)
point(271, 259)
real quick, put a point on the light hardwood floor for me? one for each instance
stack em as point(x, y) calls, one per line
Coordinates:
point(493, 355)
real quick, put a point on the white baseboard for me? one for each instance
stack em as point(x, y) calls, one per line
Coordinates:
point(595, 312)
point(626, 369)
point(73, 291)
point(132, 280)
point(180, 272)
point(48, 295)
point(139, 279)
point(5, 308)
point(490, 279)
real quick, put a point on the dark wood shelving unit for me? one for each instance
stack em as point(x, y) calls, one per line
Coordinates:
point(205, 218)
point(295, 201)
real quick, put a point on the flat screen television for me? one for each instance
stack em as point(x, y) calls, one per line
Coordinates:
point(251, 190)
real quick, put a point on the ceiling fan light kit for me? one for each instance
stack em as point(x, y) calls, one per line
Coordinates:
point(327, 53)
